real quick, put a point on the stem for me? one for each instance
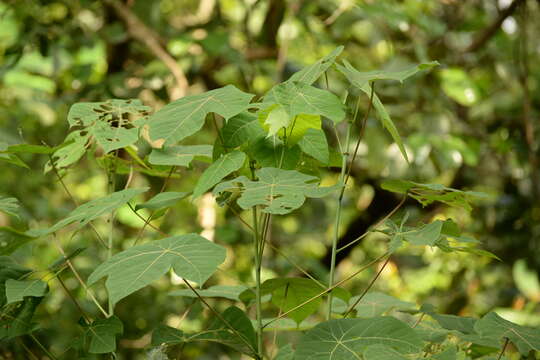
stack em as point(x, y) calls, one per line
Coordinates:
point(338, 219)
point(258, 258)
point(506, 340)
point(112, 186)
point(351, 308)
point(47, 352)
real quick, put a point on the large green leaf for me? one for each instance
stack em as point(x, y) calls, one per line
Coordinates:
point(241, 129)
point(276, 191)
point(314, 144)
point(179, 155)
point(311, 73)
point(231, 292)
point(382, 352)
point(17, 290)
point(100, 336)
point(191, 256)
point(376, 303)
point(19, 321)
point(270, 152)
point(426, 194)
point(243, 339)
point(164, 334)
point(300, 98)
point(222, 167)
point(185, 116)
point(109, 122)
point(9, 206)
point(162, 200)
point(9, 269)
point(92, 210)
point(11, 239)
point(346, 339)
point(494, 326)
point(71, 151)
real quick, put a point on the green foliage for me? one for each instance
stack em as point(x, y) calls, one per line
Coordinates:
point(100, 336)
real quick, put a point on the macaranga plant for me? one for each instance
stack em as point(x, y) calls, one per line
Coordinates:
point(265, 162)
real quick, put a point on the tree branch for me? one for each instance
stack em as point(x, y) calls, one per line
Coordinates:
point(142, 33)
point(486, 34)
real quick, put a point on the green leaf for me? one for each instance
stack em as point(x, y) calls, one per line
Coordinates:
point(16, 290)
point(428, 234)
point(301, 124)
point(463, 324)
point(167, 335)
point(459, 86)
point(314, 144)
point(526, 280)
point(494, 326)
point(382, 352)
point(299, 98)
point(185, 116)
point(225, 165)
point(220, 291)
point(351, 74)
point(270, 152)
point(362, 79)
point(344, 339)
point(277, 120)
point(285, 352)
point(71, 151)
point(10, 206)
point(162, 200)
point(448, 354)
point(179, 155)
point(9, 269)
point(276, 191)
point(191, 256)
point(11, 239)
point(241, 129)
point(92, 210)
point(311, 73)
point(288, 293)
point(20, 321)
point(109, 122)
point(426, 194)
point(31, 149)
point(219, 332)
point(100, 335)
point(376, 303)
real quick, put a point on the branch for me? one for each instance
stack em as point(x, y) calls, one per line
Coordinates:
point(142, 33)
point(486, 34)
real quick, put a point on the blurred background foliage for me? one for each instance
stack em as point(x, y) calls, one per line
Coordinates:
point(471, 123)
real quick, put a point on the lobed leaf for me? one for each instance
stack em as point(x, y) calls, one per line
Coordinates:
point(190, 256)
point(314, 144)
point(224, 166)
point(241, 129)
point(17, 290)
point(185, 116)
point(100, 336)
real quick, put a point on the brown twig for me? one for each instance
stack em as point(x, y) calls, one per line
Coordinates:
point(506, 340)
point(486, 34)
point(142, 33)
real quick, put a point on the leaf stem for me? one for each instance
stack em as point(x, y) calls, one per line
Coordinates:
point(258, 304)
point(47, 352)
point(506, 340)
point(370, 285)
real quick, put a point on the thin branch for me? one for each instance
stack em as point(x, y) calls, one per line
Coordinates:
point(379, 223)
point(506, 340)
point(70, 295)
point(146, 221)
point(485, 35)
point(142, 33)
point(370, 285)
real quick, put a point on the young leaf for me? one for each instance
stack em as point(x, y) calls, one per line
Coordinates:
point(277, 120)
point(376, 303)
point(167, 335)
point(276, 191)
point(108, 122)
point(92, 210)
point(17, 290)
point(179, 155)
point(10, 206)
point(185, 116)
point(314, 144)
point(11, 239)
point(301, 124)
point(311, 73)
point(225, 165)
point(220, 291)
point(241, 129)
point(426, 194)
point(494, 326)
point(191, 256)
point(100, 335)
point(345, 338)
point(299, 98)
point(162, 200)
